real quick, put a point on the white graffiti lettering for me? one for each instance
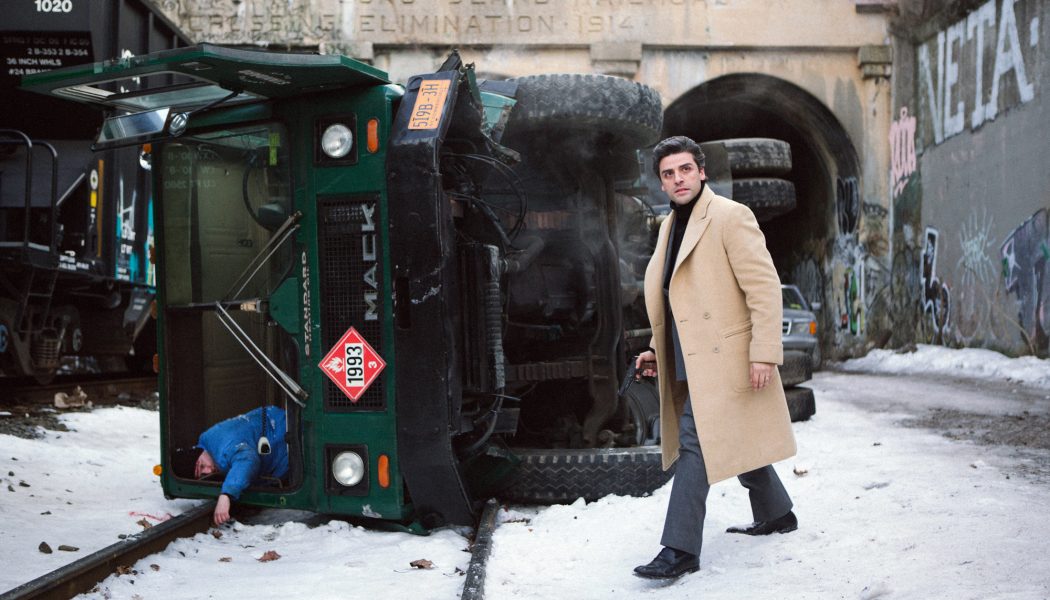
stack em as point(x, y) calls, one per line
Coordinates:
point(943, 75)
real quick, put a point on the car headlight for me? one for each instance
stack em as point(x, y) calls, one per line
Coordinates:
point(348, 468)
point(804, 326)
point(337, 140)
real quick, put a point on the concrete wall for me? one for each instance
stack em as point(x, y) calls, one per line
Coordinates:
point(970, 178)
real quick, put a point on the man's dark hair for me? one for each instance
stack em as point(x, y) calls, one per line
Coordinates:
point(184, 461)
point(674, 145)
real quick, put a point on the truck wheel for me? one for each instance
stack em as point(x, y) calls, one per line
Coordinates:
point(563, 475)
point(757, 156)
point(767, 197)
point(797, 368)
point(629, 111)
point(801, 405)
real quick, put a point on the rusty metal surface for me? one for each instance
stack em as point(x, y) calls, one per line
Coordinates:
point(82, 575)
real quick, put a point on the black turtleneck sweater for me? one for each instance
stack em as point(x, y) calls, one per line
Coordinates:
point(681, 221)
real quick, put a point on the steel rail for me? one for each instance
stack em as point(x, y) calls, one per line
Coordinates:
point(474, 584)
point(82, 575)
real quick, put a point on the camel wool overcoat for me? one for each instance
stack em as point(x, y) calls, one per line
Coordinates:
point(726, 300)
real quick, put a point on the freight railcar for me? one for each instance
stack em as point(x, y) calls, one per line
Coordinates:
point(76, 226)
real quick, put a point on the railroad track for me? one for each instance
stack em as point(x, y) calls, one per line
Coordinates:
point(82, 575)
point(100, 389)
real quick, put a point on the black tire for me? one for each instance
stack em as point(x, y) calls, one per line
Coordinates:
point(797, 368)
point(561, 476)
point(801, 404)
point(630, 112)
point(767, 197)
point(757, 156)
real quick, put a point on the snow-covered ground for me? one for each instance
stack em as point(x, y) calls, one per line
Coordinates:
point(80, 488)
point(968, 362)
point(885, 511)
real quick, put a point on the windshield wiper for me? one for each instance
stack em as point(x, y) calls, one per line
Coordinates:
point(283, 233)
point(282, 379)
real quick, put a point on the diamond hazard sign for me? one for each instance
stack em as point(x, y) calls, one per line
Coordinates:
point(352, 364)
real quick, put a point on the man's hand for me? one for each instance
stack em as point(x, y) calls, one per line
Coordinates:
point(222, 510)
point(761, 374)
point(645, 365)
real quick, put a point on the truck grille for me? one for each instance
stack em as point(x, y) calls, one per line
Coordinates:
point(350, 243)
point(787, 326)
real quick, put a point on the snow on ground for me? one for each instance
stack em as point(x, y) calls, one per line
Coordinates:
point(80, 488)
point(969, 362)
point(885, 511)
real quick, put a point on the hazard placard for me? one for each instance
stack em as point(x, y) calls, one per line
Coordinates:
point(352, 364)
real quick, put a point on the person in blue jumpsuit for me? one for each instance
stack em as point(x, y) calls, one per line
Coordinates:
point(231, 447)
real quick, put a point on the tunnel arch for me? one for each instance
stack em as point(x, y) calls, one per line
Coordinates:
point(826, 168)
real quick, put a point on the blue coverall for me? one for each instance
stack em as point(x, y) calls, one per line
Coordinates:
point(233, 445)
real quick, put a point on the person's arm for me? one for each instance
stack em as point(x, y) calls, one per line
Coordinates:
point(244, 468)
point(757, 277)
point(222, 510)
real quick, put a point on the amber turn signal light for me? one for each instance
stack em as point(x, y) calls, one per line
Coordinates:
point(812, 328)
point(372, 136)
point(383, 470)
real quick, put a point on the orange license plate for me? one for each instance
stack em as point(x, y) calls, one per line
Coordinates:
point(426, 114)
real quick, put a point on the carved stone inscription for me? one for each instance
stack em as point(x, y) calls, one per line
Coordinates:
point(440, 22)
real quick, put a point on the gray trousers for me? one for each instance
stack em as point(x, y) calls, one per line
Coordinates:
point(684, 524)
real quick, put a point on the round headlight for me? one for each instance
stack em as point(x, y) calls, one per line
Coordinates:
point(348, 468)
point(337, 140)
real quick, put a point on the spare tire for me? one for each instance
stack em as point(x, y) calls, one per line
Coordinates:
point(767, 197)
point(563, 475)
point(797, 368)
point(757, 156)
point(801, 404)
point(628, 111)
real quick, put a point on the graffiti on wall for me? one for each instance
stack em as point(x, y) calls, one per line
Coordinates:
point(936, 296)
point(974, 274)
point(847, 285)
point(847, 204)
point(809, 277)
point(858, 267)
point(1026, 274)
point(128, 261)
point(875, 230)
point(902, 151)
point(847, 263)
point(953, 66)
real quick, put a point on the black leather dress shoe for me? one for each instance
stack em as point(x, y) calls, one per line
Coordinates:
point(669, 564)
point(781, 525)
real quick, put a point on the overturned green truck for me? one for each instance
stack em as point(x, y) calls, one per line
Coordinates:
point(439, 282)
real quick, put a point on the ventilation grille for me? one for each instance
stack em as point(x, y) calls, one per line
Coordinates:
point(350, 239)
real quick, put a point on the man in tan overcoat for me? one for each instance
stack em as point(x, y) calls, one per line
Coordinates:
point(714, 303)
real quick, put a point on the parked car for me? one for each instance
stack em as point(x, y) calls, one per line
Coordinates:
point(800, 324)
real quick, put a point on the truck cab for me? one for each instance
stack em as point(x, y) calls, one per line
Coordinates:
point(433, 308)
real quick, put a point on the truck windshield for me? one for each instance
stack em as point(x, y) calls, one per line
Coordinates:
point(222, 195)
